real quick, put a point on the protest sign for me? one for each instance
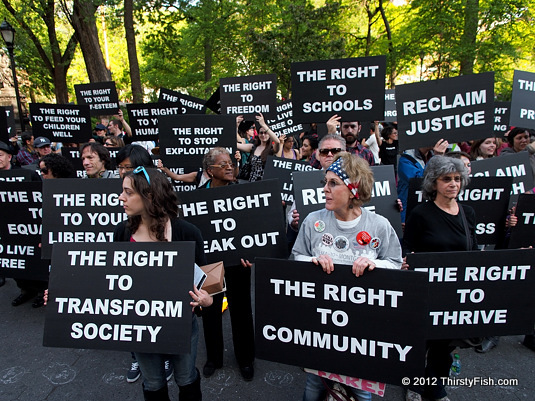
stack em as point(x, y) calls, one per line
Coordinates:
point(99, 297)
point(184, 140)
point(248, 96)
point(523, 100)
point(214, 102)
point(352, 88)
point(391, 114)
point(101, 97)
point(502, 112)
point(20, 231)
point(456, 109)
point(283, 123)
point(189, 104)
point(523, 234)
point(15, 175)
point(471, 293)
point(144, 118)
point(11, 125)
point(61, 122)
point(282, 169)
point(309, 196)
point(75, 157)
point(80, 211)
point(515, 165)
point(489, 197)
point(238, 221)
point(6, 131)
point(371, 327)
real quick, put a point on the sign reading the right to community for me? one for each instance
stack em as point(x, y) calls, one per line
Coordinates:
point(523, 100)
point(456, 109)
point(61, 122)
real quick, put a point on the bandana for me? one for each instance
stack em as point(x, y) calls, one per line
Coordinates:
point(337, 169)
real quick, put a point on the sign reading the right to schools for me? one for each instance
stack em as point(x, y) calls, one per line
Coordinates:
point(353, 88)
point(101, 97)
point(248, 96)
point(523, 100)
point(80, 211)
point(478, 294)
point(61, 122)
point(371, 327)
point(456, 109)
point(238, 221)
point(144, 118)
point(523, 234)
point(189, 104)
point(99, 297)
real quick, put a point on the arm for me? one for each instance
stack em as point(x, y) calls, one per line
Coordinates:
point(189, 177)
point(376, 133)
point(262, 122)
point(332, 124)
point(282, 138)
point(126, 127)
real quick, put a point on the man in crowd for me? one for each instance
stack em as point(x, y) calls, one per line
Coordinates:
point(96, 161)
point(27, 154)
point(350, 132)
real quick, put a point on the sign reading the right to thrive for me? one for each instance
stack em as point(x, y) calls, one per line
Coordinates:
point(61, 122)
point(456, 109)
point(248, 96)
point(523, 100)
point(101, 97)
point(353, 88)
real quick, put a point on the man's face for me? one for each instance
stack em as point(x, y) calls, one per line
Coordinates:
point(92, 164)
point(327, 152)
point(44, 150)
point(113, 129)
point(350, 131)
point(100, 132)
point(5, 160)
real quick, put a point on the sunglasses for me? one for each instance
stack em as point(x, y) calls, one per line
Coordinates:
point(450, 179)
point(44, 171)
point(140, 169)
point(223, 165)
point(334, 151)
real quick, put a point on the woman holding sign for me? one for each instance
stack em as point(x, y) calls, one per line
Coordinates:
point(440, 225)
point(343, 233)
point(151, 205)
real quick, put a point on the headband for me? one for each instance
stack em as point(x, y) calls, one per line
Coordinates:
point(336, 168)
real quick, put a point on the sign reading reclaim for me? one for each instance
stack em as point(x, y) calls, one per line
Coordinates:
point(478, 294)
point(20, 230)
point(456, 109)
point(61, 122)
point(238, 221)
point(99, 297)
point(101, 97)
point(353, 88)
point(189, 104)
point(249, 95)
point(80, 211)
point(282, 169)
point(144, 118)
point(371, 327)
point(523, 100)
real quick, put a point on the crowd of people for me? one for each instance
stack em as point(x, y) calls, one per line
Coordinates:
point(345, 154)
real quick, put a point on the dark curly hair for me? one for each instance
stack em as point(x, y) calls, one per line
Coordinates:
point(100, 150)
point(58, 165)
point(159, 200)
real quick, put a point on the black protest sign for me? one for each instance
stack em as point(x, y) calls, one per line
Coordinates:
point(189, 104)
point(523, 100)
point(502, 111)
point(74, 156)
point(523, 233)
point(283, 123)
point(144, 118)
point(239, 221)
point(5, 129)
point(15, 175)
point(456, 109)
point(309, 196)
point(391, 114)
point(61, 122)
point(353, 88)
point(101, 97)
point(478, 294)
point(516, 165)
point(11, 125)
point(77, 210)
point(184, 140)
point(20, 231)
point(99, 297)
point(282, 169)
point(248, 96)
point(489, 197)
point(214, 102)
point(371, 327)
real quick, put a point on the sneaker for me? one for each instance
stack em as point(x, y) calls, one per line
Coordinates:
point(134, 373)
point(38, 301)
point(168, 370)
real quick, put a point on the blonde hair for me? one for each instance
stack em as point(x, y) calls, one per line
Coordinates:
point(358, 170)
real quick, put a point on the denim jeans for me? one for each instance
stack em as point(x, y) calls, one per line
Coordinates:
point(315, 390)
point(153, 369)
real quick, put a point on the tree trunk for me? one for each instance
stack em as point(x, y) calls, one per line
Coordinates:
point(392, 74)
point(135, 78)
point(468, 39)
point(208, 53)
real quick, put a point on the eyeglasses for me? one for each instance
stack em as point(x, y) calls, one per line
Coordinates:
point(450, 179)
point(125, 167)
point(108, 144)
point(44, 171)
point(330, 183)
point(262, 133)
point(140, 169)
point(334, 151)
point(224, 165)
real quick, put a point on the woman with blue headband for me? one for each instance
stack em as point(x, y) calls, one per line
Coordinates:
point(346, 233)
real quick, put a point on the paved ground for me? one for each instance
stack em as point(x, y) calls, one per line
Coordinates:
point(31, 372)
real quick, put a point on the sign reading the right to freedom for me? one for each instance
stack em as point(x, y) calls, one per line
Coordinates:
point(456, 109)
point(248, 96)
point(523, 100)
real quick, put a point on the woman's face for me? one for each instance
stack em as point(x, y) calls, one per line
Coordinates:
point(263, 136)
point(393, 135)
point(132, 202)
point(249, 133)
point(488, 147)
point(222, 169)
point(337, 194)
point(448, 186)
point(45, 172)
point(289, 143)
point(306, 149)
point(520, 141)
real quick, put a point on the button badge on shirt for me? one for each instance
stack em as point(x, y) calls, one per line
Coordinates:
point(319, 226)
point(341, 243)
point(363, 238)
